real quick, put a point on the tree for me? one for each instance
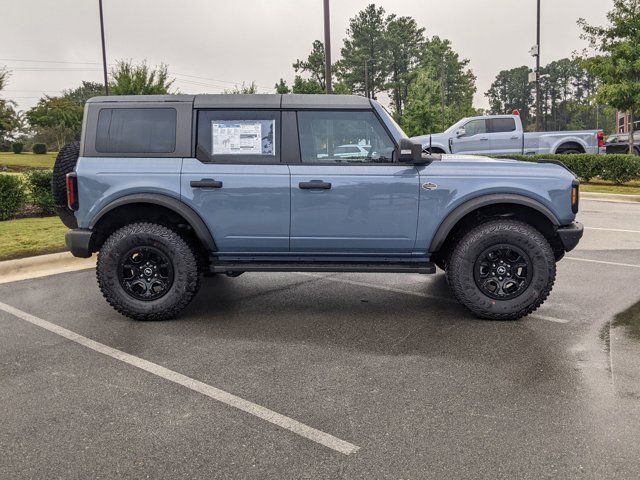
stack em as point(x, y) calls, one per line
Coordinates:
point(9, 118)
point(244, 89)
point(405, 41)
point(130, 79)
point(510, 91)
point(617, 66)
point(567, 93)
point(422, 113)
point(366, 43)
point(61, 115)
point(84, 92)
point(314, 64)
point(282, 87)
point(304, 85)
point(457, 81)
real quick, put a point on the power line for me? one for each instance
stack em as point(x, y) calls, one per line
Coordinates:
point(46, 61)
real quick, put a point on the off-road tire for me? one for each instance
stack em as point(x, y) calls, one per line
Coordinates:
point(460, 269)
point(186, 275)
point(65, 163)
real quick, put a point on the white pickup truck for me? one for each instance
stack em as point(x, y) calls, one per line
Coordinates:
point(503, 135)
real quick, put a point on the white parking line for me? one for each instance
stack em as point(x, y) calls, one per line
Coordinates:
point(270, 416)
point(603, 262)
point(415, 294)
point(612, 230)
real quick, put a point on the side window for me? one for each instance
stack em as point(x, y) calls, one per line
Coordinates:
point(136, 130)
point(226, 136)
point(343, 137)
point(501, 125)
point(475, 127)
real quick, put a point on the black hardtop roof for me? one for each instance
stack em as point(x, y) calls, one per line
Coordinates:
point(260, 100)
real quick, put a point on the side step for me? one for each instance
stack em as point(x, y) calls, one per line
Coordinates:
point(224, 267)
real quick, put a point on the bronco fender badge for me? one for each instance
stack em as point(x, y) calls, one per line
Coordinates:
point(429, 186)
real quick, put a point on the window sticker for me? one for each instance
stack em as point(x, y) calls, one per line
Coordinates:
point(242, 137)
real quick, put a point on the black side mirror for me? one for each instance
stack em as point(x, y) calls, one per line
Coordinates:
point(410, 151)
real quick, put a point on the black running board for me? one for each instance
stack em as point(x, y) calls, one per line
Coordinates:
point(224, 267)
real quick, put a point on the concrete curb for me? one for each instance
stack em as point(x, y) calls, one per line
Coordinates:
point(42, 266)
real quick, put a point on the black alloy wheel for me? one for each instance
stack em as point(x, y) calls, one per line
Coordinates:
point(145, 273)
point(503, 271)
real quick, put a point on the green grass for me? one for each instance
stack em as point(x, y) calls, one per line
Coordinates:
point(27, 160)
point(31, 236)
point(600, 186)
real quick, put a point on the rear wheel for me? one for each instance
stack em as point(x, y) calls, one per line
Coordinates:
point(147, 272)
point(502, 270)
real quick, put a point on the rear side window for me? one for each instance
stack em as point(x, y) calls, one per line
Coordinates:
point(238, 136)
point(500, 125)
point(136, 130)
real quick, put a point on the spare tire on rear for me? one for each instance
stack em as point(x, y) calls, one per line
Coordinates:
point(65, 163)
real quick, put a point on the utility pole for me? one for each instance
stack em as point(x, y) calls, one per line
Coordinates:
point(327, 48)
point(104, 51)
point(538, 96)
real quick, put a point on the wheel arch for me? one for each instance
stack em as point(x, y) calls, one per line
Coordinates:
point(489, 206)
point(129, 207)
point(570, 144)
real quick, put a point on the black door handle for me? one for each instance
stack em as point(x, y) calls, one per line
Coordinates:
point(206, 183)
point(315, 184)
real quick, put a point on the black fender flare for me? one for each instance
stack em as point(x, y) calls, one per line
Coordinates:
point(493, 199)
point(199, 227)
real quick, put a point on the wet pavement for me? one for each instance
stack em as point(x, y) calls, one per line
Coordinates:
point(388, 363)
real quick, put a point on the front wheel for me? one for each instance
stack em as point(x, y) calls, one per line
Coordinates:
point(502, 270)
point(147, 272)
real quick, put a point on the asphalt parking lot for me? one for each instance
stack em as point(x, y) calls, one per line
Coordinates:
point(363, 375)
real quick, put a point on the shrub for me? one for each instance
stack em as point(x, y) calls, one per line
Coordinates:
point(615, 168)
point(38, 183)
point(39, 148)
point(5, 146)
point(17, 147)
point(12, 196)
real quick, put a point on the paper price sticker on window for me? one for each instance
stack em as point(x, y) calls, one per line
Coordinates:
point(236, 138)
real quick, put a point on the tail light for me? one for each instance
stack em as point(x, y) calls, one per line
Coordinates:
point(601, 142)
point(72, 191)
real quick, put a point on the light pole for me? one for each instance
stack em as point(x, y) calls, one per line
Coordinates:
point(104, 51)
point(327, 48)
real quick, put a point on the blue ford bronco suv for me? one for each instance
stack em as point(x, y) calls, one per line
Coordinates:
point(169, 188)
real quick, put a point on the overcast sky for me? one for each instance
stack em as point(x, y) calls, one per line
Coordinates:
point(224, 42)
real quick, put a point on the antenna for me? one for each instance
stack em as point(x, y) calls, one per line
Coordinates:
point(430, 137)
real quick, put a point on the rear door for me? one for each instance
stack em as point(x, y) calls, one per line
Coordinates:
point(475, 139)
point(358, 204)
point(504, 137)
point(236, 181)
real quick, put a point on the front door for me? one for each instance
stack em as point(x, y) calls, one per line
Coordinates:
point(475, 140)
point(237, 184)
point(347, 194)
